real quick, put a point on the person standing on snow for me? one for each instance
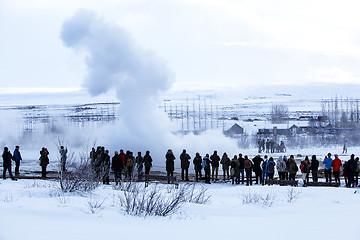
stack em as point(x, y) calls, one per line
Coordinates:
point(17, 159)
point(148, 162)
point(352, 171)
point(328, 164)
point(293, 168)
point(270, 168)
point(304, 167)
point(263, 169)
point(215, 162)
point(44, 161)
point(235, 174)
point(241, 168)
point(336, 164)
point(314, 166)
point(140, 165)
point(170, 158)
point(248, 170)
point(105, 165)
point(257, 169)
point(281, 168)
point(185, 164)
point(206, 165)
point(117, 167)
point(63, 156)
point(345, 147)
point(225, 162)
point(7, 157)
point(197, 166)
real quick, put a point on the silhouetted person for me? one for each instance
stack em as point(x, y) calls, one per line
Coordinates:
point(17, 158)
point(185, 163)
point(170, 158)
point(147, 162)
point(44, 161)
point(7, 157)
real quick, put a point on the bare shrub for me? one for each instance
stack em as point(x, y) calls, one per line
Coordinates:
point(197, 196)
point(81, 179)
point(125, 186)
point(95, 205)
point(8, 198)
point(266, 200)
point(62, 198)
point(140, 201)
point(156, 201)
point(292, 195)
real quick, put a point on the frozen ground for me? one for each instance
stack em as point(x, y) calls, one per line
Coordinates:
point(30, 210)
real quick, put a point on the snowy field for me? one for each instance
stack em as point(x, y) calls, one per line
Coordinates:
point(35, 209)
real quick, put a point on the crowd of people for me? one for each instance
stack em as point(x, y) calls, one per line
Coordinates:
point(271, 146)
point(238, 169)
point(121, 164)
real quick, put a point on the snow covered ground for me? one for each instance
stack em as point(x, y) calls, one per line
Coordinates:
point(32, 209)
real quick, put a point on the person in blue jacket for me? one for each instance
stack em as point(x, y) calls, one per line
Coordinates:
point(270, 168)
point(328, 163)
point(17, 159)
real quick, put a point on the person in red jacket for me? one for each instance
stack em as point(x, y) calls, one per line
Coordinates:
point(336, 164)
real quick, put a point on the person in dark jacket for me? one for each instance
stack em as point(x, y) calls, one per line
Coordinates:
point(148, 162)
point(63, 156)
point(248, 169)
point(44, 161)
point(97, 161)
point(117, 167)
point(346, 173)
point(357, 171)
point(257, 169)
point(314, 166)
point(242, 168)
point(215, 162)
point(130, 163)
point(206, 165)
point(352, 165)
point(235, 175)
point(293, 168)
point(225, 162)
point(7, 157)
point(17, 158)
point(197, 166)
point(140, 165)
point(263, 169)
point(105, 165)
point(185, 163)
point(170, 158)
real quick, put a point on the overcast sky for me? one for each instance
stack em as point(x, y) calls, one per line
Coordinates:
point(244, 42)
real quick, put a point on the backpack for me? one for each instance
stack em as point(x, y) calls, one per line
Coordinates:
point(271, 167)
point(247, 164)
point(306, 168)
point(204, 164)
point(129, 163)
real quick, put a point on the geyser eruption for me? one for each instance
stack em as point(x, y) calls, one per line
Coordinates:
point(115, 61)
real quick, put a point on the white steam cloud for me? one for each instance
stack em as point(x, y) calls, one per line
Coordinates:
point(139, 76)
